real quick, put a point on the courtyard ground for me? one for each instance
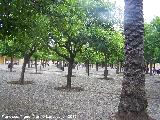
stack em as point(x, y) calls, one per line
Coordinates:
point(40, 101)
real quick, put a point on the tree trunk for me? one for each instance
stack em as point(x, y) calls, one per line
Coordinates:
point(57, 63)
point(29, 65)
point(69, 73)
point(96, 66)
point(106, 71)
point(11, 67)
point(77, 66)
point(133, 101)
point(87, 67)
point(154, 65)
point(43, 63)
point(150, 69)
point(36, 63)
point(117, 70)
point(121, 66)
point(111, 66)
point(26, 58)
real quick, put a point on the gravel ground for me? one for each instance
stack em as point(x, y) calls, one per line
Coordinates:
point(40, 101)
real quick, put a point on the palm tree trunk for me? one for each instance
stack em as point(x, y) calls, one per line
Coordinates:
point(133, 102)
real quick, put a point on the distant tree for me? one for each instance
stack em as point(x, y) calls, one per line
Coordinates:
point(69, 32)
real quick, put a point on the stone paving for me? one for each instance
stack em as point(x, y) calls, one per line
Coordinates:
point(40, 101)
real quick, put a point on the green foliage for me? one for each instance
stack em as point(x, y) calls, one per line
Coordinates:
point(67, 26)
point(9, 47)
point(152, 40)
point(69, 33)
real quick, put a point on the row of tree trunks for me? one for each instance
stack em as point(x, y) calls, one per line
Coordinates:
point(119, 66)
point(150, 66)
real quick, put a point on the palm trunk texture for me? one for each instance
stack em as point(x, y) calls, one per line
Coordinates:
point(133, 102)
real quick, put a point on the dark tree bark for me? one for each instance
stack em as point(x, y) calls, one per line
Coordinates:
point(106, 70)
point(121, 64)
point(111, 66)
point(154, 65)
point(11, 67)
point(57, 63)
point(77, 65)
point(26, 59)
point(87, 67)
point(43, 63)
point(29, 65)
point(36, 63)
point(70, 66)
point(96, 66)
point(117, 70)
point(150, 68)
point(133, 101)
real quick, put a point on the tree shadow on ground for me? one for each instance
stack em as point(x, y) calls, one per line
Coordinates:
point(157, 82)
point(18, 82)
point(108, 78)
point(72, 89)
point(11, 71)
point(58, 71)
point(71, 76)
point(132, 116)
point(36, 73)
point(43, 70)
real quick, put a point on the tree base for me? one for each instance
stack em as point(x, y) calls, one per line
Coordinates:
point(36, 73)
point(132, 116)
point(19, 83)
point(65, 88)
